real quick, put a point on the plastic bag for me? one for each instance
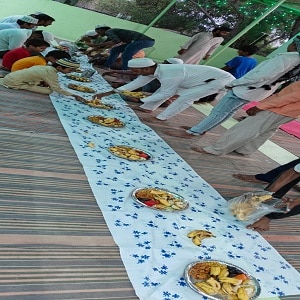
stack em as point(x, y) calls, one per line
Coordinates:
point(254, 205)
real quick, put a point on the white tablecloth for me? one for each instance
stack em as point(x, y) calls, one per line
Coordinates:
point(154, 245)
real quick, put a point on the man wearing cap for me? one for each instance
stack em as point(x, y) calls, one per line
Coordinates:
point(42, 79)
point(130, 42)
point(43, 19)
point(186, 83)
point(12, 38)
point(26, 22)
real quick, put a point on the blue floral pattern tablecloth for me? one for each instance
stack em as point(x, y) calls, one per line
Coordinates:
point(154, 245)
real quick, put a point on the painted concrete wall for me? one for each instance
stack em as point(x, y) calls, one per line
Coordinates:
point(71, 22)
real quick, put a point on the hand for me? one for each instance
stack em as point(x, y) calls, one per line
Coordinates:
point(78, 98)
point(99, 96)
point(206, 57)
point(228, 87)
point(181, 51)
point(253, 111)
point(290, 203)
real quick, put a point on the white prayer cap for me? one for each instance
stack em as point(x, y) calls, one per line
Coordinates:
point(29, 19)
point(101, 26)
point(173, 60)
point(91, 33)
point(141, 63)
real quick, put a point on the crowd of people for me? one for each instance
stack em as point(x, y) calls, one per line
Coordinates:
point(32, 58)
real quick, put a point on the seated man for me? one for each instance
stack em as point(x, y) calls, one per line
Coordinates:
point(42, 79)
point(39, 60)
point(31, 47)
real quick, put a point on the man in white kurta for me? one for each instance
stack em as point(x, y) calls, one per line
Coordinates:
point(13, 38)
point(202, 45)
point(187, 82)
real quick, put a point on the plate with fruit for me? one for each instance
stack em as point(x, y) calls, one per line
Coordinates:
point(107, 122)
point(160, 199)
point(78, 78)
point(129, 153)
point(97, 103)
point(219, 280)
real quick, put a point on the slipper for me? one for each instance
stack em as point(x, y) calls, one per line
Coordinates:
point(200, 150)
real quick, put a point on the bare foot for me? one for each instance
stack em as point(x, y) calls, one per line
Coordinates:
point(152, 120)
point(248, 178)
point(178, 133)
point(143, 109)
point(262, 224)
point(200, 150)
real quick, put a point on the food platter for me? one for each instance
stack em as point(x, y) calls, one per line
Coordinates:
point(132, 96)
point(129, 153)
point(219, 280)
point(107, 122)
point(78, 78)
point(97, 103)
point(160, 199)
point(81, 88)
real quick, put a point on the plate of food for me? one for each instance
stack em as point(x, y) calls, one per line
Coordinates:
point(107, 122)
point(81, 88)
point(129, 153)
point(219, 280)
point(97, 103)
point(132, 96)
point(78, 78)
point(160, 199)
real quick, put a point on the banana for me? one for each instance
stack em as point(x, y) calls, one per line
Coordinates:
point(198, 235)
point(215, 271)
point(242, 294)
point(214, 283)
point(197, 240)
point(206, 288)
point(223, 273)
point(227, 288)
point(233, 281)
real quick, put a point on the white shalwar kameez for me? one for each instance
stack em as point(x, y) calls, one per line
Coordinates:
point(201, 44)
point(187, 81)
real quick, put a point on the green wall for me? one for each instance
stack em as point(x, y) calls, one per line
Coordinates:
point(71, 22)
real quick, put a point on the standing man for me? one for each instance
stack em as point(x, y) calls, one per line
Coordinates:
point(202, 45)
point(263, 121)
point(130, 42)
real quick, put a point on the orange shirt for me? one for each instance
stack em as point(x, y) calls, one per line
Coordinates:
point(28, 62)
point(286, 102)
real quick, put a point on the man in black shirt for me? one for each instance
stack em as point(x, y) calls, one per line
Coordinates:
point(130, 42)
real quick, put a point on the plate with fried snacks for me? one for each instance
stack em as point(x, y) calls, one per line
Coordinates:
point(97, 103)
point(81, 88)
point(160, 199)
point(129, 153)
point(219, 280)
point(108, 122)
point(78, 78)
point(132, 96)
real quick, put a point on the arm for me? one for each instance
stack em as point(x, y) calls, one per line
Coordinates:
point(289, 95)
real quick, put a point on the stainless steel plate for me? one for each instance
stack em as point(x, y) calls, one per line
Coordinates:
point(172, 197)
point(122, 152)
point(190, 281)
